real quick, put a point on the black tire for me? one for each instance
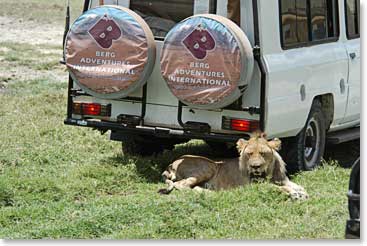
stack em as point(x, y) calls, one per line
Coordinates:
point(306, 150)
point(144, 146)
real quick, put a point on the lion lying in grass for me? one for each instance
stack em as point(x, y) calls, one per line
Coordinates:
point(258, 159)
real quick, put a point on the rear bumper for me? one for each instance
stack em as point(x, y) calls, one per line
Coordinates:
point(121, 130)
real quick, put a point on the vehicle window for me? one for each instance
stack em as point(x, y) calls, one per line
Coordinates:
point(162, 15)
point(294, 22)
point(234, 11)
point(324, 19)
point(318, 20)
point(306, 21)
point(94, 3)
point(174, 10)
point(352, 18)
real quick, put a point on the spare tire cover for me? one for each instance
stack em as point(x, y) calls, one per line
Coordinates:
point(207, 61)
point(110, 52)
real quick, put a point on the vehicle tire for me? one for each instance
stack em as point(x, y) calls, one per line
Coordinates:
point(109, 28)
point(138, 145)
point(214, 42)
point(306, 150)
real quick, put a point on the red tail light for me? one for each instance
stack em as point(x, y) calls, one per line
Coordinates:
point(95, 109)
point(242, 125)
point(91, 108)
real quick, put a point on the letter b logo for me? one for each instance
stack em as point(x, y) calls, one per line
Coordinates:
point(199, 42)
point(105, 31)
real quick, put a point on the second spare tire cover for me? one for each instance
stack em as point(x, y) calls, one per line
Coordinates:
point(206, 61)
point(110, 52)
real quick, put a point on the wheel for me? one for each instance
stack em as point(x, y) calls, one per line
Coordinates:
point(144, 145)
point(306, 150)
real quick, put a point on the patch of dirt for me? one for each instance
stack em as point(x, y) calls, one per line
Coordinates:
point(45, 37)
point(30, 32)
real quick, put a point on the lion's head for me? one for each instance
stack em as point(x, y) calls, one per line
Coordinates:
point(259, 156)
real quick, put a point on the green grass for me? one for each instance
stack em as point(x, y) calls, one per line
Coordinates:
point(60, 181)
point(45, 58)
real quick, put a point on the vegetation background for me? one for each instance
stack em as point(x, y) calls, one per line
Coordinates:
point(58, 181)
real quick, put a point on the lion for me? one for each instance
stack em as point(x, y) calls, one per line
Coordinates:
point(259, 160)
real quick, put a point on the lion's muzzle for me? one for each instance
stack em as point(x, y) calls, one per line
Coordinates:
point(257, 177)
point(257, 167)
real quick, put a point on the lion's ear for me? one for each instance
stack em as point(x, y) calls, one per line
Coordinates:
point(275, 144)
point(241, 144)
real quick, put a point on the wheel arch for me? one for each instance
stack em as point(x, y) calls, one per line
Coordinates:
point(327, 105)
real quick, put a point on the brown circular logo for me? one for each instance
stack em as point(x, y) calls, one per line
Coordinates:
point(108, 52)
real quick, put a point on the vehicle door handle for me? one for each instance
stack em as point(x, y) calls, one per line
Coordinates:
point(353, 55)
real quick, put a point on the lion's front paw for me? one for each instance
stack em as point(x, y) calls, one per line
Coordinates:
point(295, 193)
point(298, 195)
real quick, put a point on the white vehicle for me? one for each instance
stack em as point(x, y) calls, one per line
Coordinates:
point(156, 73)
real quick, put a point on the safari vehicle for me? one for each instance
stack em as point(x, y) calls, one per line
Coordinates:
point(160, 72)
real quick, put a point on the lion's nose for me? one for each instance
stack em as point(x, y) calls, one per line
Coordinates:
point(256, 168)
point(256, 165)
